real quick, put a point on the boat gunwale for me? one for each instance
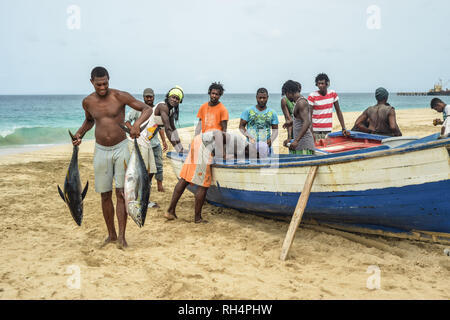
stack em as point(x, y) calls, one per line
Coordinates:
point(330, 158)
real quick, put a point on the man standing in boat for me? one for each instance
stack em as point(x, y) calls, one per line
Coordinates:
point(322, 102)
point(303, 143)
point(209, 135)
point(259, 124)
point(106, 109)
point(380, 118)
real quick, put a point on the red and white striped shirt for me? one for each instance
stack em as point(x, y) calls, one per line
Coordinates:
point(322, 116)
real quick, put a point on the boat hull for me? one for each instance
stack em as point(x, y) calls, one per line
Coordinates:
point(416, 207)
point(398, 189)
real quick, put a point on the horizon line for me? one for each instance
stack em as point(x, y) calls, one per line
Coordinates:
point(192, 93)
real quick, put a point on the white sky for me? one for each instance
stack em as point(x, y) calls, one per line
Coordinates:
point(245, 44)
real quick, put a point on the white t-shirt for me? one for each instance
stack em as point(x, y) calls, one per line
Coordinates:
point(446, 112)
point(446, 125)
point(147, 135)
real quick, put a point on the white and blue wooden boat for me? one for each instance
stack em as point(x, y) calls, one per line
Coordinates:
point(400, 189)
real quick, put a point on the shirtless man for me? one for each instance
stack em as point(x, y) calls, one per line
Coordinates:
point(380, 118)
point(106, 109)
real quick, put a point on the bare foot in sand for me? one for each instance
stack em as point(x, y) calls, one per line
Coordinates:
point(170, 216)
point(108, 240)
point(122, 244)
point(160, 186)
point(200, 220)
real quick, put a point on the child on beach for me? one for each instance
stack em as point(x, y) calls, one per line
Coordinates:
point(439, 105)
point(209, 135)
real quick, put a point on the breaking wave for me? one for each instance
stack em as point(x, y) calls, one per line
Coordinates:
point(39, 135)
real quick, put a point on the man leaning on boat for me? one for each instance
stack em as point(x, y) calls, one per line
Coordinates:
point(380, 118)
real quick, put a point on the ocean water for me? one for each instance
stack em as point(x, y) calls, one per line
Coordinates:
point(31, 120)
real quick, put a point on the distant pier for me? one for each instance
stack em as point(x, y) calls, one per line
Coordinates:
point(429, 93)
point(412, 93)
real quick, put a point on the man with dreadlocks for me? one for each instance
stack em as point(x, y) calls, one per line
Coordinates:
point(167, 112)
point(287, 106)
point(303, 143)
point(209, 137)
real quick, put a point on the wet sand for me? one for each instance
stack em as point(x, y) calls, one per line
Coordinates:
point(234, 256)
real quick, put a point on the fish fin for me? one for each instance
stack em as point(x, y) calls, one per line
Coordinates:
point(72, 136)
point(83, 194)
point(124, 128)
point(61, 194)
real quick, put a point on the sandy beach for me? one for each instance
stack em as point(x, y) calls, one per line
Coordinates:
point(234, 256)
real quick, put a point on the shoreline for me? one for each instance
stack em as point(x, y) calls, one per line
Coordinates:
point(415, 122)
point(352, 115)
point(18, 149)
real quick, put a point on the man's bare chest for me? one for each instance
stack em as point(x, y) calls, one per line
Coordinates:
point(106, 110)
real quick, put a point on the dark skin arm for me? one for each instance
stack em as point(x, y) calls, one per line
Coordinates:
point(393, 124)
point(311, 108)
point(145, 110)
point(287, 117)
point(301, 111)
point(361, 123)
point(243, 130)
point(85, 127)
point(224, 124)
point(274, 135)
point(169, 127)
point(163, 139)
point(341, 118)
point(198, 128)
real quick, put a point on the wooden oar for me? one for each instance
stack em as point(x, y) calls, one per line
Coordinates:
point(298, 213)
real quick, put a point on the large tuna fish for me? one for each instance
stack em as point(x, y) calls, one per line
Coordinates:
point(72, 195)
point(137, 185)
